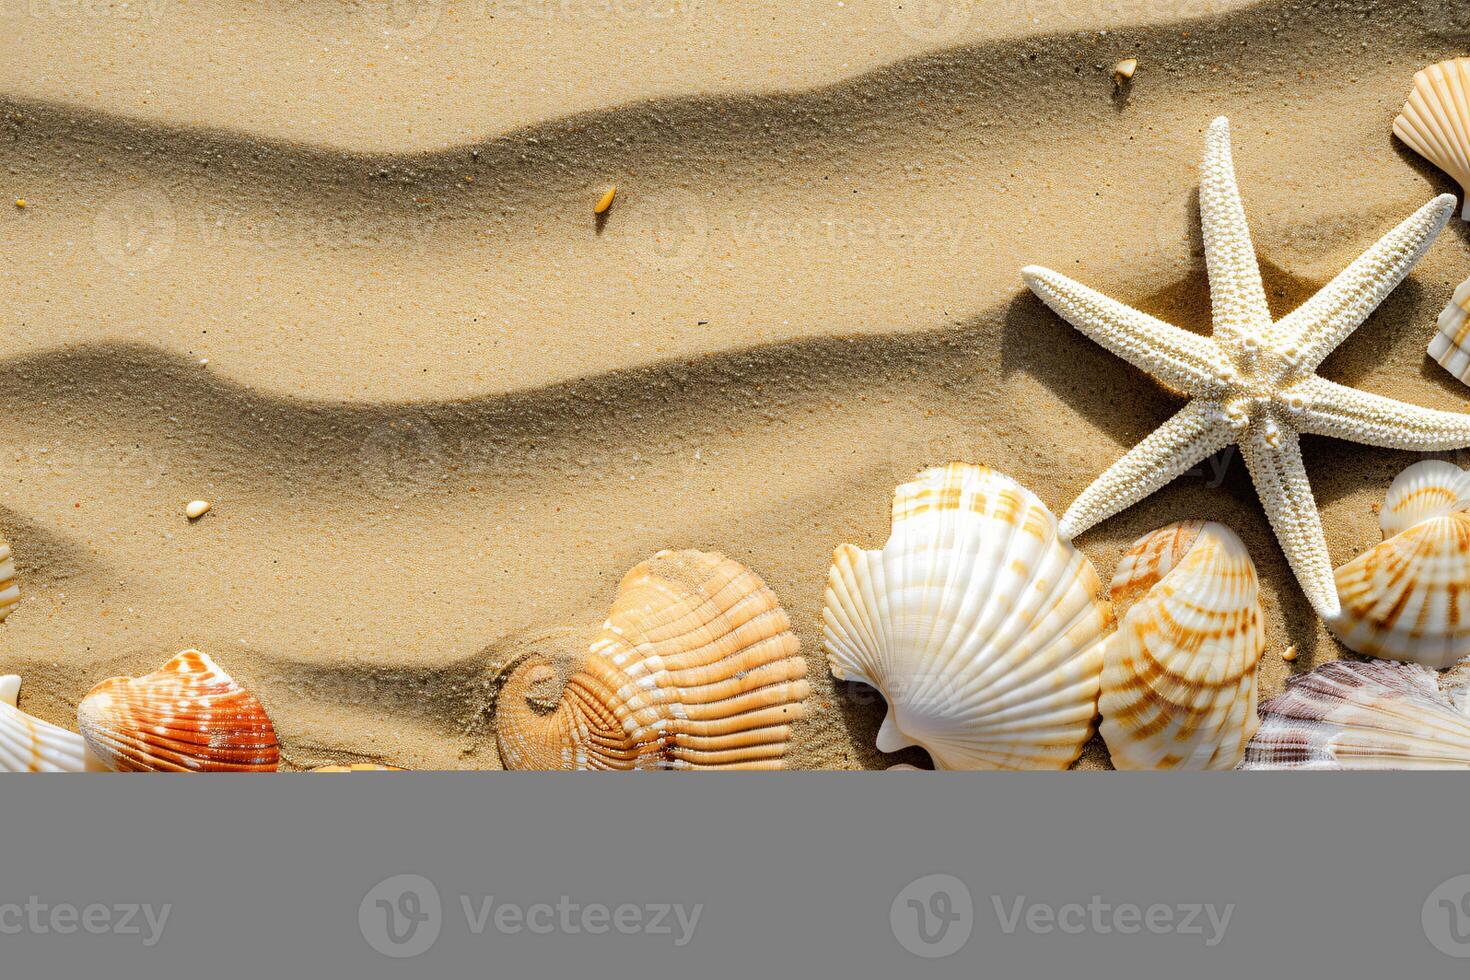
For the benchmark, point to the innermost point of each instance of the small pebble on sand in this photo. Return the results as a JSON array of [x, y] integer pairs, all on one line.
[[196, 509], [1123, 70], [1289, 654], [605, 201]]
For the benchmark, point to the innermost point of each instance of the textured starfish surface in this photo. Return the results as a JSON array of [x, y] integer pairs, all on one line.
[[1253, 382]]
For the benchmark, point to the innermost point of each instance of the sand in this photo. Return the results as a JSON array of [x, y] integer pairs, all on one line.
[[334, 269]]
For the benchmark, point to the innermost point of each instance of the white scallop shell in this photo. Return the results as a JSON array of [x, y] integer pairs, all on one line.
[[1408, 597], [1435, 122], [1451, 344], [31, 745], [981, 627], [9, 591], [1350, 714], [1179, 675]]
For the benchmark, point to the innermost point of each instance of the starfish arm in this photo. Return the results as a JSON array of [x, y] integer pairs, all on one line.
[[1198, 430], [1176, 357], [1237, 298], [1373, 420], [1325, 320], [1281, 483]]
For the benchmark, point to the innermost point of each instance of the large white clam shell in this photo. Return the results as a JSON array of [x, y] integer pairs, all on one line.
[[1179, 675], [1350, 714], [1408, 597], [1435, 121], [1451, 343], [31, 745], [981, 627]]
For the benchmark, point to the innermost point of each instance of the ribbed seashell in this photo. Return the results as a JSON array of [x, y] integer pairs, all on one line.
[[188, 716], [980, 626], [1408, 597], [1350, 714], [31, 745], [1451, 343], [1435, 122], [1179, 675], [9, 590], [696, 667]]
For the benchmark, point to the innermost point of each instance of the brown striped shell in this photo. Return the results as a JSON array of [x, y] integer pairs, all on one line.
[[1179, 675], [1408, 597], [696, 667], [1350, 714], [9, 590], [188, 716]]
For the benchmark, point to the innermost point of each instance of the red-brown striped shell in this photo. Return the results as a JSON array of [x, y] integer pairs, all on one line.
[[188, 716]]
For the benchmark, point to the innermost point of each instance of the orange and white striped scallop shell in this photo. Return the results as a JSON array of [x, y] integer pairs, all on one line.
[[696, 667], [1408, 597], [1179, 675], [978, 624], [188, 716]]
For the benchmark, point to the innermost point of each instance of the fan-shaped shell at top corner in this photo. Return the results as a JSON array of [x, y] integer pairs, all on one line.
[[187, 716], [982, 628], [1179, 676], [1351, 714], [1435, 121], [696, 667], [1408, 597]]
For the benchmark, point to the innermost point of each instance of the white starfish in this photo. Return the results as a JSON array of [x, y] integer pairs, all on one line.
[[1254, 382]]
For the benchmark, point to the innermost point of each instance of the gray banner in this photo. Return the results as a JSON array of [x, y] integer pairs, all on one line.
[[879, 874]]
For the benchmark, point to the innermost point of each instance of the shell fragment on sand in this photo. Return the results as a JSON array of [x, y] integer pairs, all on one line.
[[605, 201], [1179, 675], [196, 509], [1350, 714], [1435, 121], [979, 625], [9, 588], [1408, 597], [31, 745], [1124, 70], [696, 667], [1451, 344], [188, 716]]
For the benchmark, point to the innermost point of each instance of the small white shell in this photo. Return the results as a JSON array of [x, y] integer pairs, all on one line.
[[980, 626], [9, 590], [1408, 597], [1451, 344], [1435, 122], [31, 745], [1179, 675], [1350, 714]]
